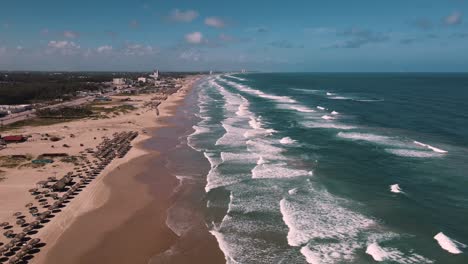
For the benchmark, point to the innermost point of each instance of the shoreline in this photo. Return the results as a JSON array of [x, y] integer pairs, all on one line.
[[138, 194]]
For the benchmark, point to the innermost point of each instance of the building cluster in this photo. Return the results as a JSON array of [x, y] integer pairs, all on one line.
[[12, 109], [151, 79]]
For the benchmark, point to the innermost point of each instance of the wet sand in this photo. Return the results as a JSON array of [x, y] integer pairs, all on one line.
[[133, 226]]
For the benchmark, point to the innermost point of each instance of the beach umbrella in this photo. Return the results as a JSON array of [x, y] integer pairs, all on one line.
[[34, 224], [4, 224], [13, 260], [34, 241], [20, 221], [17, 214], [29, 205], [33, 190], [8, 233], [27, 229]]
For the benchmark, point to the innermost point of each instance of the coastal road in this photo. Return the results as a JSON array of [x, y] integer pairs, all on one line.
[[32, 113]]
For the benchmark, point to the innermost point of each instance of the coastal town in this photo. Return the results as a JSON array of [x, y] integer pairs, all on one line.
[[53, 155]]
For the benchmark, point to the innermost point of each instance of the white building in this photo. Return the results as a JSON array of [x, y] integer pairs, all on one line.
[[155, 75], [118, 81], [142, 79]]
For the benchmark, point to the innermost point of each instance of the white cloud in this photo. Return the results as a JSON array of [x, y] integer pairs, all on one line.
[[70, 34], [19, 48], [104, 49], [64, 47], [194, 38], [3, 50], [139, 50], [454, 19], [190, 55], [214, 22], [62, 44], [183, 16]]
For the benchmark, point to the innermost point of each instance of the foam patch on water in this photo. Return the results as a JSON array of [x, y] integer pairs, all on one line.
[[242, 157], [377, 253], [327, 117], [449, 244], [384, 140], [250, 90], [321, 108], [311, 91], [224, 246], [237, 78], [395, 188], [327, 124], [302, 109], [334, 113], [276, 170], [430, 147], [410, 153], [287, 141]]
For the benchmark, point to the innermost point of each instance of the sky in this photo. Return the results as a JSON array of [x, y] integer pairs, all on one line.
[[198, 35]]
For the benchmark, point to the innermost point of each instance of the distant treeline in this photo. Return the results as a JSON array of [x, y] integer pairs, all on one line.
[[32, 87], [26, 88]]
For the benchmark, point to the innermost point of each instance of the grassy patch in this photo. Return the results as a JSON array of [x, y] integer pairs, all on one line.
[[72, 159], [13, 161], [34, 122]]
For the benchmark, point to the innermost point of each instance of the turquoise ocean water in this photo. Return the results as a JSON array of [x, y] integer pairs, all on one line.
[[336, 168]]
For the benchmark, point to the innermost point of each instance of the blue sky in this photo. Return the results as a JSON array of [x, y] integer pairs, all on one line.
[[308, 35]]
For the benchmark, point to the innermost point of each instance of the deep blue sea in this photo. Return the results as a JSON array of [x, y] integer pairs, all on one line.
[[336, 168]]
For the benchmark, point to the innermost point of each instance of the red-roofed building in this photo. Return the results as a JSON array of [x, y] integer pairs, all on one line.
[[14, 139]]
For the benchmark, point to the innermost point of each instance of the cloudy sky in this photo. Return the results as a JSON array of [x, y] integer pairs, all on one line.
[[296, 35]]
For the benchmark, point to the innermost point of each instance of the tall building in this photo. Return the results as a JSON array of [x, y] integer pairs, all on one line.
[[118, 81], [155, 75]]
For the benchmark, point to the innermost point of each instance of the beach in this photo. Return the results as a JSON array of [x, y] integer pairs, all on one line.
[[125, 208], [131, 225]]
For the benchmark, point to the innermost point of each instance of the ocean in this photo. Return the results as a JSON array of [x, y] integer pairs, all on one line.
[[335, 168]]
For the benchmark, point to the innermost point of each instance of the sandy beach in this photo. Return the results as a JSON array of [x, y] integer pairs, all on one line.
[[121, 216]]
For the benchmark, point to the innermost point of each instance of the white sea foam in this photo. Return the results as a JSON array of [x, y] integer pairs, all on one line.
[[395, 188], [243, 109], [237, 78], [330, 125], [287, 141], [276, 170], [302, 109], [242, 157], [449, 244], [320, 216], [329, 94], [234, 136], [367, 137], [293, 191], [224, 246], [310, 256], [430, 147], [200, 130], [340, 98], [312, 91], [321, 107], [334, 113], [327, 117], [250, 90], [377, 253], [411, 153]]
